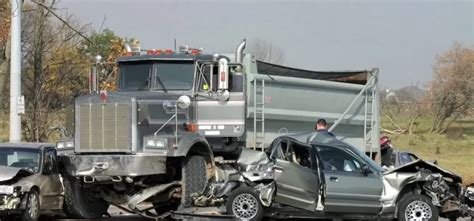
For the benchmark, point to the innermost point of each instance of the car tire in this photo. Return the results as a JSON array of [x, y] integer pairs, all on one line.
[[77, 202], [244, 204], [32, 209], [417, 207], [194, 178]]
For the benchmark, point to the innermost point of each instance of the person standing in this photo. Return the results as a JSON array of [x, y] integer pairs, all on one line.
[[322, 127], [386, 151]]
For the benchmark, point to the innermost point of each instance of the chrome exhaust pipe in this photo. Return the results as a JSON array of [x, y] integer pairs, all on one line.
[[239, 52], [88, 179], [128, 48], [116, 179]]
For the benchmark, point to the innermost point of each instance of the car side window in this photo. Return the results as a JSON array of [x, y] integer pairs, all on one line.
[[50, 158], [338, 160], [301, 156], [281, 151], [413, 157], [405, 158]]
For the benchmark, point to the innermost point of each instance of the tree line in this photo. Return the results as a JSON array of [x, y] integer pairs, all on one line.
[[56, 56], [58, 49]]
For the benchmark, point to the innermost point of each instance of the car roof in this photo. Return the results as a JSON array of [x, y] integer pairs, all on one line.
[[27, 145]]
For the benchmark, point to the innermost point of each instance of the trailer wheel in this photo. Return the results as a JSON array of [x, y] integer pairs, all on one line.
[[32, 210], [194, 178], [417, 207], [78, 203], [244, 204]]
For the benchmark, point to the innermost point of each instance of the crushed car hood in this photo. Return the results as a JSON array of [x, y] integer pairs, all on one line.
[[8, 173], [417, 165]]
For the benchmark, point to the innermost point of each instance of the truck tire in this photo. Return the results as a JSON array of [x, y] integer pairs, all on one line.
[[417, 207], [194, 178], [77, 202], [32, 209], [244, 204]]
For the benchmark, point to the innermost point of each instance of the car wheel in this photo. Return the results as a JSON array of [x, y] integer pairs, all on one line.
[[32, 209], [194, 178], [417, 207], [244, 204]]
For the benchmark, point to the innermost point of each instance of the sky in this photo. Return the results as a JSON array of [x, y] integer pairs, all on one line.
[[400, 37]]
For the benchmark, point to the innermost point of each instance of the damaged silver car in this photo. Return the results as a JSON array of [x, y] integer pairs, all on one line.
[[30, 184], [318, 176]]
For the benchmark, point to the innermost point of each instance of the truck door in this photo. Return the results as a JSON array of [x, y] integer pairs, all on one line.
[[51, 189], [348, 189], [297, 183], [217, 118]]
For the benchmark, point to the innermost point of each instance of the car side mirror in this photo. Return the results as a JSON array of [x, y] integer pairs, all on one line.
[[366, 170]]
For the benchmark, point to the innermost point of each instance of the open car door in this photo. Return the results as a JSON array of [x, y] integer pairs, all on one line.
[[297, 182]]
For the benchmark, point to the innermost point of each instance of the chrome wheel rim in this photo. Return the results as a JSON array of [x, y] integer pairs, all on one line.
[[418, 211], [33, 206], [245, 206]]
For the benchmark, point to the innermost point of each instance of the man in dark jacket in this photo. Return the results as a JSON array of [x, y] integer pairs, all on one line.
[[386, 151], [322, 126]]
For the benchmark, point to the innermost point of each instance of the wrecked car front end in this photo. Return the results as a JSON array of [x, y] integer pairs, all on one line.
[[443, 187], [10, 199], [12, 186]]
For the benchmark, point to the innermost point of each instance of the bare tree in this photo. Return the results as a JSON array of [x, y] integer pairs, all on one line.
[[451, 92], [4, 49], [266, 51], [54, 71], [404, 110]]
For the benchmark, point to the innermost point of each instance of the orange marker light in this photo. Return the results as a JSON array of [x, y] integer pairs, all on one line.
[[191, 127]]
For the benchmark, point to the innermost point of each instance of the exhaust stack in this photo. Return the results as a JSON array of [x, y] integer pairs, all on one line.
[[239, 52]]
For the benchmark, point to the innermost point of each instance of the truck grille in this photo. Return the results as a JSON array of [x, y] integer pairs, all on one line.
[[103, 127]]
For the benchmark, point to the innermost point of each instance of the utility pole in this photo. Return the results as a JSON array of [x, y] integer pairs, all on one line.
[[15, 73]]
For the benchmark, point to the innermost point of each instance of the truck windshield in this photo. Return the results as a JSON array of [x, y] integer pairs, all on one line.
[[28, 159], [163, 75], [173, 76]]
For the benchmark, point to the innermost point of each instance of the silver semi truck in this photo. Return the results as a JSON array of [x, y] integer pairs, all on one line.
[[155, 141]]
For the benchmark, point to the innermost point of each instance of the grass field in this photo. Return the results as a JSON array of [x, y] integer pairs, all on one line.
[[453, 150]]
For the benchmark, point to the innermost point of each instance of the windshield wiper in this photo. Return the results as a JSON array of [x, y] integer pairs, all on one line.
[[161, 84]]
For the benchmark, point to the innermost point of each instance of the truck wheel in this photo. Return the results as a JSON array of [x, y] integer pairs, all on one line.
[[194, 178], [79, 204], [32, 210], [417, 207], [244, 204]]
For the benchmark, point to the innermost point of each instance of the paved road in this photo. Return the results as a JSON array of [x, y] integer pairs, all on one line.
[[120, 215]]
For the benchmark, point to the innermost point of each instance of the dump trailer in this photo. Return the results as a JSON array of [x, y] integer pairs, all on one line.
[[155, 140]]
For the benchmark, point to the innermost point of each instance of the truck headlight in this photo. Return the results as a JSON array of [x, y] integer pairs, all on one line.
[[65, 144], [155, 143]]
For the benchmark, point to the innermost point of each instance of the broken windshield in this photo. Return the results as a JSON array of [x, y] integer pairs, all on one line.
[[162, 75]]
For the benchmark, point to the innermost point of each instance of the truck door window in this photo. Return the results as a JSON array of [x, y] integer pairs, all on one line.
[[204, 77], [338, 160]]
